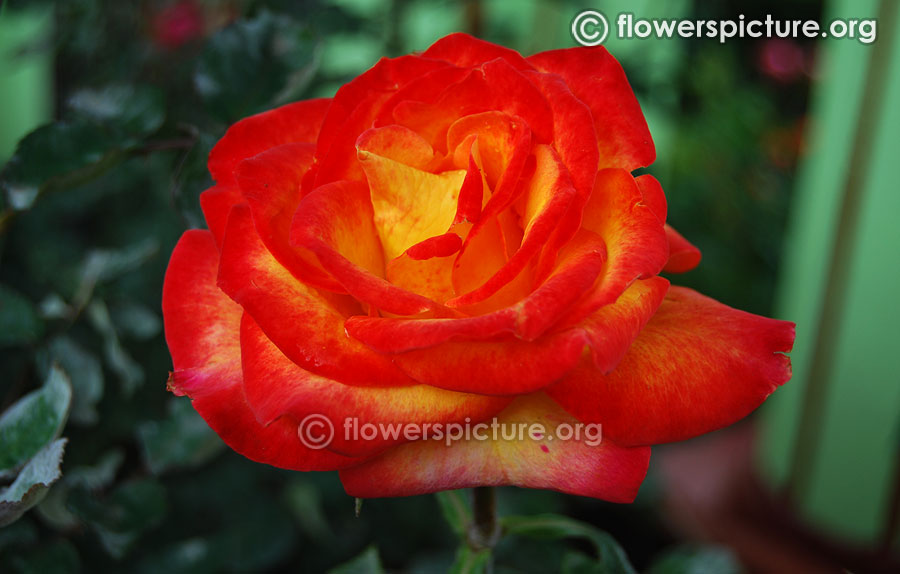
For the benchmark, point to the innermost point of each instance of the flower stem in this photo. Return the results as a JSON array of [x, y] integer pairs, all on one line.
[[485, 531]]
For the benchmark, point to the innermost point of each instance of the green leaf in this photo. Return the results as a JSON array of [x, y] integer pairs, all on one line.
[[102, 265], [579, 563], [248, 535], [57, 557], [192, 556], [54, 508], [134, 110], [455, 510], [22, 533], [255, 64], [19, 321], [705, 560], [86, 376], [108, 264], [366, 563], [553, 527], [184, 440], [129, 371], [305, 502], [59, 156], [32, 483], [34, 420], [469, 561], [120, 519], [135, 320], [263, 535]]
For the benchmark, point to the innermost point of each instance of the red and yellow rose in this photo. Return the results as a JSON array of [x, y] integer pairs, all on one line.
[[456, 236]]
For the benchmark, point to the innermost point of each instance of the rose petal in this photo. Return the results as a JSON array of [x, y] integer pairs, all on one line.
[[573, 135], [335, 222], [397, 335], [197, 313], [573, 132], [354, 109], [270, 183], [634, 236], [306, 324], [399, 144], [547, 197], [482, 257], [438, 246], [275, 386], [597, 79], [605, 471], [653, 195], [505, 367], [582, 260], [466, 51], [425, 267], [498, 136], [484, 89], [612, 329], [471, 194], [410, 205], [683, 256], [216, 203], [298, 122], [425, 88], [501, 146], [202, 330], [696, 367]]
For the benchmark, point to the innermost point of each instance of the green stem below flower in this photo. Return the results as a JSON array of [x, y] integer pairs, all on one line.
[[485, 530]]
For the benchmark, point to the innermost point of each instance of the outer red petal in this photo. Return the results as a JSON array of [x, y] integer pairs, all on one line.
[[291, 123], [612, 329], [683, 256], [597, 79], [653, 194], [509, 367], [484, 89], [216, 203], [202, 330], [575, 140], [393, 335], [696, 367], [605, 471], [270, 183], [306, 324], [634, 236], [353, 111], [466, 52], [276, 386]]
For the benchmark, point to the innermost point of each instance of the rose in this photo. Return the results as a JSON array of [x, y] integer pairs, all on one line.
[[456, 237]]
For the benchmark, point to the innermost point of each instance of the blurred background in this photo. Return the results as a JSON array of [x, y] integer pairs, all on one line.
[[778, 160]]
